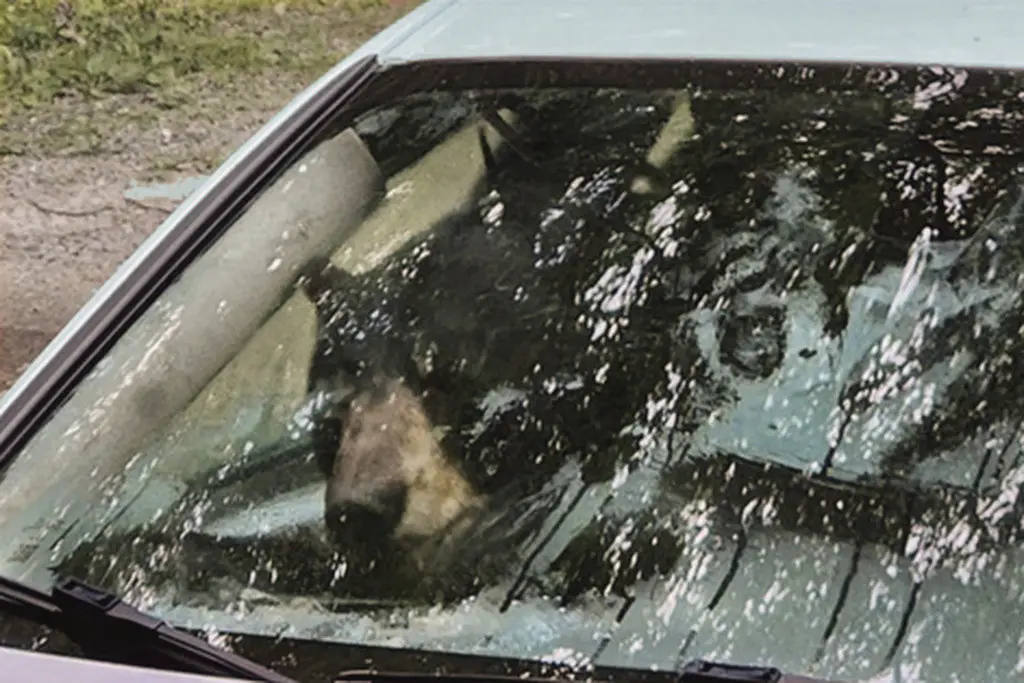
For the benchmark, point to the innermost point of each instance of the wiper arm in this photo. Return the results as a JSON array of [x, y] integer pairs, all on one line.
[[697, 671], [107, 628]]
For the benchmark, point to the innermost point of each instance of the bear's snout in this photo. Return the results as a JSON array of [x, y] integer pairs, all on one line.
[[391, 481], [358, 521]]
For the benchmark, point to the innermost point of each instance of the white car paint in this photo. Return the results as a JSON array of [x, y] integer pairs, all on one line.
[[35, 667]]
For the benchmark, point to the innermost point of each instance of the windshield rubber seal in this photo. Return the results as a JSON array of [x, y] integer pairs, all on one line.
[[402, 79]]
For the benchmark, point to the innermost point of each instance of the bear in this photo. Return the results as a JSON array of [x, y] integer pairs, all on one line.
[[403, 387], [425, 484], [476, 363]]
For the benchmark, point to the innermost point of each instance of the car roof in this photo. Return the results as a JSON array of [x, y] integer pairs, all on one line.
[[976, 33]]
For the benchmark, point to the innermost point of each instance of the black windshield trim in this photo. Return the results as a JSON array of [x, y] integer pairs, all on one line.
[[400, 80], [304, 659], [307, 659]]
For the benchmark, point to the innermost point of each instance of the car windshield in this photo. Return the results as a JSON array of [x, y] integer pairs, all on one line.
[[614, 376]]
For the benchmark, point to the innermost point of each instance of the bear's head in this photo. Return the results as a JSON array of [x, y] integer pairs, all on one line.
[[392, 490]]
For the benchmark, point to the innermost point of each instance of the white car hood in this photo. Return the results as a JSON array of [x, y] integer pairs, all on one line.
[[36, 667]]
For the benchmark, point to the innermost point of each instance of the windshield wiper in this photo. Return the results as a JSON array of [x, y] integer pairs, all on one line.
[[109, 629], [697, 671]]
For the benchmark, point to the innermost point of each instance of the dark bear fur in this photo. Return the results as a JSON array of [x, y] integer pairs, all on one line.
[[416, 344]]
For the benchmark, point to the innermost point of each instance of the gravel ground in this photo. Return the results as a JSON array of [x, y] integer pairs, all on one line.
[[64, 223]]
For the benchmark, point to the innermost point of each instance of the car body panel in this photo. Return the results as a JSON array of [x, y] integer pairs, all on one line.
[[981, 33], [35, 667]]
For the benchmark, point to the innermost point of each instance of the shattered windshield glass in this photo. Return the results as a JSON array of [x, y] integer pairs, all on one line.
[[598, 376]]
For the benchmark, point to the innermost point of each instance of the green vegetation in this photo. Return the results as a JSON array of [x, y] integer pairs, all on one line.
[[59, 49]]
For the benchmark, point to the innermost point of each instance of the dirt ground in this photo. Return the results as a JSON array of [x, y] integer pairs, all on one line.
[[64, 223]]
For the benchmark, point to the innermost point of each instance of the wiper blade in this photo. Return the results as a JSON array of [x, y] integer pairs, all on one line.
[[107, 628], [697, 671]]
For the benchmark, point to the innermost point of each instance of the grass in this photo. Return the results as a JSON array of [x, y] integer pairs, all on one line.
[[52, 50]]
